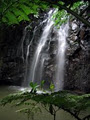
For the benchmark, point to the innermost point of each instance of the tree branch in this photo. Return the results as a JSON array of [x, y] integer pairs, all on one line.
[[73, 114], [87, 117], [76, 15], [69, 11]]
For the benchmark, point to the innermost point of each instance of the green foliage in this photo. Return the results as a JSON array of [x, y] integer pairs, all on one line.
[[78, 4], [30, 111], [65, 100], [34, 87], [62, 16], [61, 3], [52, 87], [42, 84], [15, 11]]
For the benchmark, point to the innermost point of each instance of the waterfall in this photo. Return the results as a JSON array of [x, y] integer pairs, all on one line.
[[40, 46], [36, 68], [60, 58], [25, 83]]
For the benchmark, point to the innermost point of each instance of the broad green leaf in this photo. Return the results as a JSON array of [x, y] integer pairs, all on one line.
[[31, 84]]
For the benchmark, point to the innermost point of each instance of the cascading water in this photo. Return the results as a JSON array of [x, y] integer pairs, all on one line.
[[41, 53], [27, 55], [41, 44], [60, 58]]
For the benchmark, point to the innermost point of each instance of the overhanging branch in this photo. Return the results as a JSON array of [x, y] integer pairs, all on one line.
[[69, 11]]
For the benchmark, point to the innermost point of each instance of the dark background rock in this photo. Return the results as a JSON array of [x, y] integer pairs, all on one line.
[[77, 75], [11, 65]]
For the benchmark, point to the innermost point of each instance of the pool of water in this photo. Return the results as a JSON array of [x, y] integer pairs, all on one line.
[[9, 112]]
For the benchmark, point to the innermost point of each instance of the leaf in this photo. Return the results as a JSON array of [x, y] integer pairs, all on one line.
[[25, 8], [52, 87], [60, 2], [31, 84], [13, 13], [4, 19], [77, 4], [42, 82], [20, 14], [35, 85], [11, 18], [44, 5]]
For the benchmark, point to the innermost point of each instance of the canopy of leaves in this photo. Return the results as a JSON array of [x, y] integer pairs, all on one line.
[[14, 11]]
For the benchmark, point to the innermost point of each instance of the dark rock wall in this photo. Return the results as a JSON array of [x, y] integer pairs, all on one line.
[[77, 75], [11, 65]]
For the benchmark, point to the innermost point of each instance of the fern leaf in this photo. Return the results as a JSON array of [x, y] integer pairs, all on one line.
[[26, 9], [4, 20], [11, 18], [20, 14]]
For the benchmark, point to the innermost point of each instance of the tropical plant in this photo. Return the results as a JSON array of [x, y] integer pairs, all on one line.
[[42, 84], [34, 87], [51, 87]]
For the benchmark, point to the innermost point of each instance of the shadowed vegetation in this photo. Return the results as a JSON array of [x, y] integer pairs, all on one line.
[[71, 103]]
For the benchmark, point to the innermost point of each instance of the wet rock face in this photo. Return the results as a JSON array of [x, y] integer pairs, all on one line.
[[77, 75], [11, 65]]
